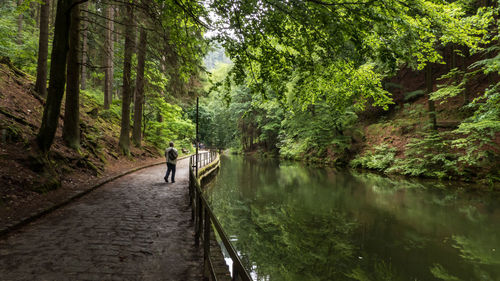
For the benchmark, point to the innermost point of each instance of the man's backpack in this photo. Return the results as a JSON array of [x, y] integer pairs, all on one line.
[[172, 155]]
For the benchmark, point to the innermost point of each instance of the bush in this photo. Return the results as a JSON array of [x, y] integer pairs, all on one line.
[[430, 156], [381, 158]]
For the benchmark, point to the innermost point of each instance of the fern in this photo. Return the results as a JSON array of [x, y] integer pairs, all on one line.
[[430, 157], [381, 158]]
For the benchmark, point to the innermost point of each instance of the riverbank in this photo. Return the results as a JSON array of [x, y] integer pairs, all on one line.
[[452, 184]]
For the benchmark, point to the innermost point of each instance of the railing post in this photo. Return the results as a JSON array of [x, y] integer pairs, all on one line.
[[235, 273], [197, 134], [192, 196], [206, 243], [199, 222], [197, 229]]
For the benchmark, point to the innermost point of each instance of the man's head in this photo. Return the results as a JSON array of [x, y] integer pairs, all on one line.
[[171, 144]]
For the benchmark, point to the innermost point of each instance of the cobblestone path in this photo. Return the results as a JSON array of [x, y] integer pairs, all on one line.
[[135, 228]]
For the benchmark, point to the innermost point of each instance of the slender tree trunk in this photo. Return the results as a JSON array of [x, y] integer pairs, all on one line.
[[57, 81], [108, 57], [464, 69], [159, 117], [37, 15], [124, 142], [53, 12], [453, 57], [429, 82], [144, 120], [71, 129], [139, 88], [83, 84], [20, 24], [43, 50]]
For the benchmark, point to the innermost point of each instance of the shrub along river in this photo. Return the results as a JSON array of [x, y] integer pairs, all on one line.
[[289, 221]]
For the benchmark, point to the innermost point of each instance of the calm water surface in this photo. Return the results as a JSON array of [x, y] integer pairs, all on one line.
[[293, 222]]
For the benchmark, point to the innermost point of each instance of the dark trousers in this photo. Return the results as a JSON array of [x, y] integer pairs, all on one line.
[[170, 167]]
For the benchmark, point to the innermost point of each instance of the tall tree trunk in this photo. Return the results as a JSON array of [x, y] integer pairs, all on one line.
[[43, 50], [139, 88], [429, 82], [71, 129], [20, 23], [83, 84], [108, 58], [57, 81], [124, 142]]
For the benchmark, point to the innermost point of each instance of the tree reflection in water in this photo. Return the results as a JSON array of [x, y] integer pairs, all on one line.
[[294, 222]]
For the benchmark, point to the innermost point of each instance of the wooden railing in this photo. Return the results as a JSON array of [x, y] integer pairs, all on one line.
[[205, 220]]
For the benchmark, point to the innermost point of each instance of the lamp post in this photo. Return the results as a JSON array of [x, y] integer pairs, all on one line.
[[197, 139]]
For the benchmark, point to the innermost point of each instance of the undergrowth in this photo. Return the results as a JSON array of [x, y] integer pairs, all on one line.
[[380, 158], [429, 156]]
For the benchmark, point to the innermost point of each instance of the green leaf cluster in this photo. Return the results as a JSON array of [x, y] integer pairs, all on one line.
[[429, 156], [21, 48], [380, 158], [173, 125]]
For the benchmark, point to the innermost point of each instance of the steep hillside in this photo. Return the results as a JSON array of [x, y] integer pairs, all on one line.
[[399, 141], [27, 178]]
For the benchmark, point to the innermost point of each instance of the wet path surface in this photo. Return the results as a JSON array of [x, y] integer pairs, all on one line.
[[135, 228]]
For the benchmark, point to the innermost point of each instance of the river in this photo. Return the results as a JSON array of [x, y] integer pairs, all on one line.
[[290, 221]]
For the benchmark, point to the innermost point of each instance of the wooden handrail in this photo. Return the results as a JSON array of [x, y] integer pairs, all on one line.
[[204, 218]]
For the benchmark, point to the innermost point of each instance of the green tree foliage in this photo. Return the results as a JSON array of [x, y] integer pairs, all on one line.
[[381, 158], [217, 116], [319, 131], [174, 127], [22, 53], [327, 42]]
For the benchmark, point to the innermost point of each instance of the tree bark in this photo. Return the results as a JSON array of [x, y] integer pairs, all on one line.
[[124, 141], [71, 128], [430, 85], [57, 81], [43, 50], [108, 58], [139, 88], [83, 83]]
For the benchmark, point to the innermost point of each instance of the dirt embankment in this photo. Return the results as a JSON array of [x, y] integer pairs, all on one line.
[[29, 181], [408, 118]]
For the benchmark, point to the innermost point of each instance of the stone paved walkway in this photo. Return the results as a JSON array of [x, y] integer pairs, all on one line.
[[135, 228]]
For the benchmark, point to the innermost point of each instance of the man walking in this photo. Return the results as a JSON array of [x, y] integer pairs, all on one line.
[[171, 155]]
